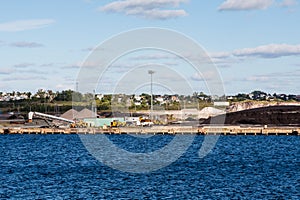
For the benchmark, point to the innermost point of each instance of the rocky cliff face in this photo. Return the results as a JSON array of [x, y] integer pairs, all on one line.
[[238, 106]]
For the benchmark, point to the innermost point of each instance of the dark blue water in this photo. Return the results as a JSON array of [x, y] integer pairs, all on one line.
[[241, 167]]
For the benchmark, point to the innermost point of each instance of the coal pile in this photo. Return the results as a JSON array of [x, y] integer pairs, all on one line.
[[272, 115]]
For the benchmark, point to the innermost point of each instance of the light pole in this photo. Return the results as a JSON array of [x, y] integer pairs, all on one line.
[[151, 72]]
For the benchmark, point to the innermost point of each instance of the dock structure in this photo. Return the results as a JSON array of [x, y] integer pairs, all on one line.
[[164, 130]]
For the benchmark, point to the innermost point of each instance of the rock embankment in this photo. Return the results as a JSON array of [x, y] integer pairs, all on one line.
[[239, 106], [283, 115]]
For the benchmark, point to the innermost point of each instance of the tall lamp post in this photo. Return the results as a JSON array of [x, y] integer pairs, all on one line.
[[151, 72]]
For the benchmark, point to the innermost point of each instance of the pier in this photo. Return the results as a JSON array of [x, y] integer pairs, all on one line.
[[164, 130]]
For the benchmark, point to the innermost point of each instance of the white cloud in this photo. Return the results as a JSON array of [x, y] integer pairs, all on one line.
[[24, 78], [154, 9], [245, 4], [160, 14], [288, 3], [80, 65], [26, 44], [219, 55], [269, 51], [88, 49], [154, 56], [48, 64], [207, 75], [147, 5], [31, 71], [23, 65], [72, 66], [223, 59], [260, 78], [227, 59], [64, 86], [22, 25], [5, 71], [276, 81]]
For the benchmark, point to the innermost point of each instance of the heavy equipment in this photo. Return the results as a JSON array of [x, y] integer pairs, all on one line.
[[49, 119]]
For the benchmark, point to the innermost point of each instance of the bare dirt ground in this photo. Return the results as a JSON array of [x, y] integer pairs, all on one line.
[[272, 115]]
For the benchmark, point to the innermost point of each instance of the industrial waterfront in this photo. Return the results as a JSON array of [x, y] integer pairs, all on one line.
[[164, 130], [272, 120]]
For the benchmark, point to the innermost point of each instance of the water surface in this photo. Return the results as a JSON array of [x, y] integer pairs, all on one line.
[[239, 167]]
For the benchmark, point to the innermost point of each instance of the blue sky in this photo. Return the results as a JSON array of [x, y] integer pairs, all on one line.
[[255, 44]]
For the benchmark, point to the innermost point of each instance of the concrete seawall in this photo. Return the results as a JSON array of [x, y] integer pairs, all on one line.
[[209, 130]]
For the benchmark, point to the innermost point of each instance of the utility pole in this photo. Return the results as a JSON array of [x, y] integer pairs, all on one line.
[[76, 86], [151, 72], [94, 105]]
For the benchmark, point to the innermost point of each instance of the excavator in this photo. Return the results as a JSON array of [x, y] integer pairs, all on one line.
[[117, 123], [145, 122], [79, 124]]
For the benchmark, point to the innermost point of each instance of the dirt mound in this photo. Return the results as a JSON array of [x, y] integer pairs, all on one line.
[[239, 106], [86, 113], [70, 114], [210, 111], [272, 115]]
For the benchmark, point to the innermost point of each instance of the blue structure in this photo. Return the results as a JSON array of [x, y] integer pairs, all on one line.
[[100, 122]]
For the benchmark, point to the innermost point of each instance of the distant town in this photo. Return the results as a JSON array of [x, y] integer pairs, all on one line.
[[60, 101], [66, 95]]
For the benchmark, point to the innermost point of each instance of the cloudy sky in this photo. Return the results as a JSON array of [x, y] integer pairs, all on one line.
[[255, 44]]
